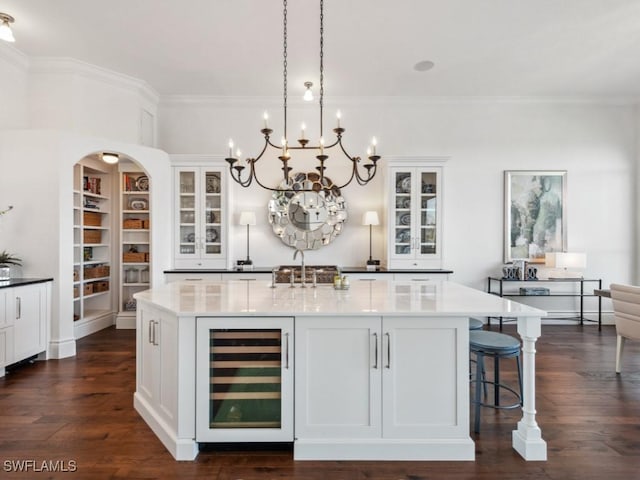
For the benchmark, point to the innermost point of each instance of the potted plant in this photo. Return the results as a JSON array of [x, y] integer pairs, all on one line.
[[7, 259]]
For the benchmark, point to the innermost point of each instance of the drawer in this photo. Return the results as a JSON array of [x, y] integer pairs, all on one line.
[[192, 277]]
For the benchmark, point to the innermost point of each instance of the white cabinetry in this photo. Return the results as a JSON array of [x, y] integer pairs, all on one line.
[[244, 379], [24, 318], [366, 381], [200, 218], [157, 362], [414, 217]]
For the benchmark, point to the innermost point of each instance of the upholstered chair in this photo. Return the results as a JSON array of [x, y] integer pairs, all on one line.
[[626, 309]]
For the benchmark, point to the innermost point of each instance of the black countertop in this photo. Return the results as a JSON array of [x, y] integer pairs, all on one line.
[[18, 282], [342, 269]]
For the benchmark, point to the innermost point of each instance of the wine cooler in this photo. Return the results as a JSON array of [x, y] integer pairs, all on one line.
[[244, 378]]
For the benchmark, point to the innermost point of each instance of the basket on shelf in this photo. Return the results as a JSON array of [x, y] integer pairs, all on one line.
[[76, 292], [135, 257], [97, 272], [132, 223], [101, 286], [92, 236], [92, 219], [88, 288]]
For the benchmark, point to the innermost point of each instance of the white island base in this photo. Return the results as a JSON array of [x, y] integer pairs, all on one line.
[[381, 370]]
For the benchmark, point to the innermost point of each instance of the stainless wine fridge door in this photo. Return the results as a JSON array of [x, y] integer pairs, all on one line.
[[244, 379]]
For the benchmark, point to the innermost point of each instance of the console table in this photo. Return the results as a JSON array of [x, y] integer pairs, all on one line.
[[496, 286]]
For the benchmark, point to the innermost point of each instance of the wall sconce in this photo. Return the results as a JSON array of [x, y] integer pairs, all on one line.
[[5, 29], [371, 218], [110, 158], [247, 218]]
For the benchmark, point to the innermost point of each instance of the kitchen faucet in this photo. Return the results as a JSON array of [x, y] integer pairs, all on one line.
[[295, 254]]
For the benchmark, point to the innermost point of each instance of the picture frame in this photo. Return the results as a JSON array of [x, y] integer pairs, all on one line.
[[535, 214]]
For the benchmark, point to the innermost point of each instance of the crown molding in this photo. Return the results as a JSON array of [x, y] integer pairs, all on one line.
[[14, 56], [378, 101], [71, 66]]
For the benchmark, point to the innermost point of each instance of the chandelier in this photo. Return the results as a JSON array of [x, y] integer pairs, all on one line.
[[362, 173]]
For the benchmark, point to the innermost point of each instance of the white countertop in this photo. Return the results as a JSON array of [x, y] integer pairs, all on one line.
[[365, 297]]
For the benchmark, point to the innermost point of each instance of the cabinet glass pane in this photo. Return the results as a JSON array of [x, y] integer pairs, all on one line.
[[245, 378], [187, 182], [402, 213], [428, 217]]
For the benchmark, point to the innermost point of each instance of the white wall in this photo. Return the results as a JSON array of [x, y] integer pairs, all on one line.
[[66, 94], [13, 87], [37, 180], [595, 142]]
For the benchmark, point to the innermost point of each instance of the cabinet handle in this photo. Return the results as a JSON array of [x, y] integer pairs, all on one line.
[[388, 349], [18, 308], [150, 331], [155, 337], [375, 339], [286, 351]]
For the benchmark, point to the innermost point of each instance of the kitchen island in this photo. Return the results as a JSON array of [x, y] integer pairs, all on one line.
[[376, 372]]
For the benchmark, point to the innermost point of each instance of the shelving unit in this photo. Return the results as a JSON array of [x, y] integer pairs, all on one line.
[[557, 288], [135, 246], [92, 224]]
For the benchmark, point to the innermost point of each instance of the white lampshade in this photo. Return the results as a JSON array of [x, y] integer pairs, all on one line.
[[247, 218], [5, 30], [370, 218], [571, 260]]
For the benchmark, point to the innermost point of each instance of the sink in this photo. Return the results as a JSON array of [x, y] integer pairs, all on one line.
[[324, 273]]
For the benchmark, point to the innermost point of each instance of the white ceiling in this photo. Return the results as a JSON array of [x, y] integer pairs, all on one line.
[[566, 48]]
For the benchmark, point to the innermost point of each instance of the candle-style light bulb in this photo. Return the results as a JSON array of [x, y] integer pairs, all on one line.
[[339, 115], [303, 128], [230, 148], [284, 146], [238, 153], [369, 152], [321, 145], [374, 142], [265, 116]]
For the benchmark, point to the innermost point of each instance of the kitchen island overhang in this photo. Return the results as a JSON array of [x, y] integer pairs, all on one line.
[[398, 351]]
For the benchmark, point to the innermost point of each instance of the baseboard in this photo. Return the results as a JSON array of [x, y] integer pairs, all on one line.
[[126, 322], [62, 348]]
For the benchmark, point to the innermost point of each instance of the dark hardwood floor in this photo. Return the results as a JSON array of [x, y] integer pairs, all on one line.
[[79, 412]]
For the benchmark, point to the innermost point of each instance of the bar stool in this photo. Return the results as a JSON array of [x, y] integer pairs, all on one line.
[[475, 324], [484, 343]]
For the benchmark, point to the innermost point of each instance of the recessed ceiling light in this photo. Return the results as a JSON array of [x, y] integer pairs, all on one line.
[[423, 66]]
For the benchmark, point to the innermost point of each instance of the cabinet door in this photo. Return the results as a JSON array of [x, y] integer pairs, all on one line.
[[425, 377], [200, 223], [26, 305], [402, 233], [244, 379], [186, 231], [414, 221], [148, 371], [211, 215], [338, 363]]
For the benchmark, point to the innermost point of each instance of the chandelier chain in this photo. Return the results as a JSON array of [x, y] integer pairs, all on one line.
[[284, 63], [321, 64]]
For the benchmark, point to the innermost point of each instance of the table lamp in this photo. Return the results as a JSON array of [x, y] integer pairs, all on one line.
[[247, 218], [567, 264], [371, 218]]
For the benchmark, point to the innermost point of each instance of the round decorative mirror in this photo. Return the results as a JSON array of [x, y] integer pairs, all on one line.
[[308, 215]]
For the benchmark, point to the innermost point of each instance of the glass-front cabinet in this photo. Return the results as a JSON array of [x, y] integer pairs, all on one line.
[[200, 235], [244, 379], [414, 217]]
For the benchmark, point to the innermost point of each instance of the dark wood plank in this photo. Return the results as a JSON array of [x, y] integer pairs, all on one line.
[[81, 409]]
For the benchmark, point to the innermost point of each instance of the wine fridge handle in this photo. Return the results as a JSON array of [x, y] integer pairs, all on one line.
[[286, 352]]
